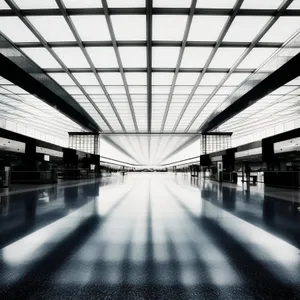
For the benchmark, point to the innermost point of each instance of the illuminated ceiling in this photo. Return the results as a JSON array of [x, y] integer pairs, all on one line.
[[150, 66]]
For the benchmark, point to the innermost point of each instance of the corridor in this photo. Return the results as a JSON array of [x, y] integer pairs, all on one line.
[[150, 236]]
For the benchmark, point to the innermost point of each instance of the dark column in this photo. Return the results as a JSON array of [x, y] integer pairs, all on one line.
[[268, 153], [229, 160], [70, 157], [30, 155]]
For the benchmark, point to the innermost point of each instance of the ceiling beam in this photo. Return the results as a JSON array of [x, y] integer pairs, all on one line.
[[144, 70], [143, 11], [149, 6], [224, 31], [89, 60], [260, 35], [281, 76], [184, 40], [19, 70], [117, 52], [145, 44], [28, 24]]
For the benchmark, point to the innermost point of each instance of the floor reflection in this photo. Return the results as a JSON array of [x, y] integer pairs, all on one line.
[[152, 236]]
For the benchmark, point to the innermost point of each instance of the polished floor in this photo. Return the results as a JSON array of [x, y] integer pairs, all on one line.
[[150, 236]]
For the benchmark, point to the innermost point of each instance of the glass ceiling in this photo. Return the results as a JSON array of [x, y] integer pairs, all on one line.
[[25, 110], [277, 107], [155, 72]]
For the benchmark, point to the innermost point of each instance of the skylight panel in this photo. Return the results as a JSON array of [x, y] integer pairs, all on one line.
[[258, 4], [169, 28], [195, 57], [3, 5], [212, 78], [172, 3], [86, 78], [127, 3], [204, 90], [81, 99], [15, 89], [256, 57], [116, 89], [283, 90], [133, 57], [103, 57], [41, 57], [86, 26], [73, 90], [57, 32], [217, 99], [93, 89], [72, 57], [161, 89], [295, 81], [199, 32], [62, 78], [161, 78], [226, 57], [134, 78], [187, 78], [241, 31], [165, 57], [236, 78], [137, 89], [129, 27], [33, 4], [226, 90], [282, 30], [82, 3], [4, 81], [16, 30], [139, 99], [216, 4], [111, 78], [295, 5], [183, 89]]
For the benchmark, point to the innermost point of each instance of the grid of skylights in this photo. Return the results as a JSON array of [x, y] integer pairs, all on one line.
[[116, 49], [28, 115], [278, 107]]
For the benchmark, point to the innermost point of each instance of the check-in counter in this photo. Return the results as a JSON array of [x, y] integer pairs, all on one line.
[[71, 174], [230, 177], [33, 177], [288, 179]]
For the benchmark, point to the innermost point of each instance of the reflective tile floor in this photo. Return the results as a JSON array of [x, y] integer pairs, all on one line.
[[150, 236]]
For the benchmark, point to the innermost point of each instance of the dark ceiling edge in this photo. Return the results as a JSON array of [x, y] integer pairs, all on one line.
[[149, 17], [143, 11], [17, 75], [278, 78]]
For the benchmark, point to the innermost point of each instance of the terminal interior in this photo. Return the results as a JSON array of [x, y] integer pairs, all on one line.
[[149, 149]]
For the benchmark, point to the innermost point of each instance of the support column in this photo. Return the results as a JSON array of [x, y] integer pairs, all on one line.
[[30, 156]]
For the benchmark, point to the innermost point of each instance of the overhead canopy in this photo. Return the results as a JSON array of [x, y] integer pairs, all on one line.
[[149, 65], [154, 66]]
